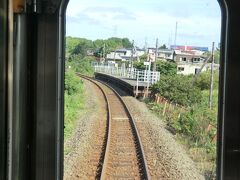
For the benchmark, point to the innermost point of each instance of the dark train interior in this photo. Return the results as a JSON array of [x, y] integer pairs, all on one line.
[[32, 34]]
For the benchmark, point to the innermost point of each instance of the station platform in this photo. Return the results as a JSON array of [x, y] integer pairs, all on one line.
[[128, 85]]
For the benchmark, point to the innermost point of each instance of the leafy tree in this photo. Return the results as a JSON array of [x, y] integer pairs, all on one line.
[[139, 65], [72, 83], [99, 52], [178, 88], [143, 58], [98, 43], [163, 46], [166, 68], [82, 65], [216, 55], [126, 43], [202, 80], [79, 49], [79, 46]]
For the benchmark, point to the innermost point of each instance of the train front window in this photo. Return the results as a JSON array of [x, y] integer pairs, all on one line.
[[141, 74]]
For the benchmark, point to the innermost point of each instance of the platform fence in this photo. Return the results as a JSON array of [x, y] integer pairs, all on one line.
[[150, 77]]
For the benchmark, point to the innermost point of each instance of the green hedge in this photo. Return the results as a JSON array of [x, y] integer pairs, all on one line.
[[74, 101], [178, 89], [194, 123], [81, 65]]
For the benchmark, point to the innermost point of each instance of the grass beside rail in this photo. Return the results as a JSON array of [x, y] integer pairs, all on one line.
[[195, 127], [74, 101]]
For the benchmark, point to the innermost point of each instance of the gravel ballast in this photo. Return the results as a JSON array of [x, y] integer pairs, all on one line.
[[83, 148], [166, 158]]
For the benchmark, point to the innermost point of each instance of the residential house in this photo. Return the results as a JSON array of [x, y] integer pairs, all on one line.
[[191, 63], [187, 57], [165, 54], [90, 52], [125, 54], [194, 68]]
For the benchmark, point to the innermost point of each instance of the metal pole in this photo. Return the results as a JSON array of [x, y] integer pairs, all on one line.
[[124, 69], [132, 55], [114, 57], [156, 54], [211, 79], [175, 40], [103, 54], [148, 79], [136, 94]]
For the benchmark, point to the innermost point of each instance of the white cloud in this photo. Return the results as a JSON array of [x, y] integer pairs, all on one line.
[[109, 18]]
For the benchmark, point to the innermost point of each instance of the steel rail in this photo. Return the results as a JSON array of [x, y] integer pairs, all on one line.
[[108, 127], [140, 151]]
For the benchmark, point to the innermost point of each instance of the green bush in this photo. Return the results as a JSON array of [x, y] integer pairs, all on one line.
[[191, 123], [73, 84], [202, 80], [139, 65], [178, 89], [82, 65], [194, 123], [73, 101], [80, 46], [166, 68]]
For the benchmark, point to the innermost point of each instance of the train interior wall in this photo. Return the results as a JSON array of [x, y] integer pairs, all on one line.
[[31, 91]]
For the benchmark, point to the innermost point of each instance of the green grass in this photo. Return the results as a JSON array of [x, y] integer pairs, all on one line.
[[73, 105], [191, 127], [74, 102]]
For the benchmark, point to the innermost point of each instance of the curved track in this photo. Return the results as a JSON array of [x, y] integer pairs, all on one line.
[[123, 156]]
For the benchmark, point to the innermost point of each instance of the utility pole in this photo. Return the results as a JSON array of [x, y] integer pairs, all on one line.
[[176, 30], [145, 46], [211, 78], [148, 73], [114, 34], [132, 55], [103, 53], [156, 54], [169, 41], [114, 57]]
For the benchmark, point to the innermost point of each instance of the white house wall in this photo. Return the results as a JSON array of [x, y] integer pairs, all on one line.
[[190, 68]]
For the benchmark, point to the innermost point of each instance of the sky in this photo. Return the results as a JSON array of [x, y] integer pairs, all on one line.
[[199, 21]]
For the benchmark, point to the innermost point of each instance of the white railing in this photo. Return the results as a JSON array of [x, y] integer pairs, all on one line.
[[150, 77]]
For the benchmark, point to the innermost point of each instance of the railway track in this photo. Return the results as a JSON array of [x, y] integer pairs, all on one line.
[[123, 154]]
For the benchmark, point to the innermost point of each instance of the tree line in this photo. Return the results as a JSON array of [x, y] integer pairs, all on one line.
[[100, 47]]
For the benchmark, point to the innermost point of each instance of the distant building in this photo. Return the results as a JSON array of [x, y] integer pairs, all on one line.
[[191, 63], [125, 54], [114, 56], [140, 52], [165, 54], [90, 52], [186, 57], [151, 52], [194, 68]]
